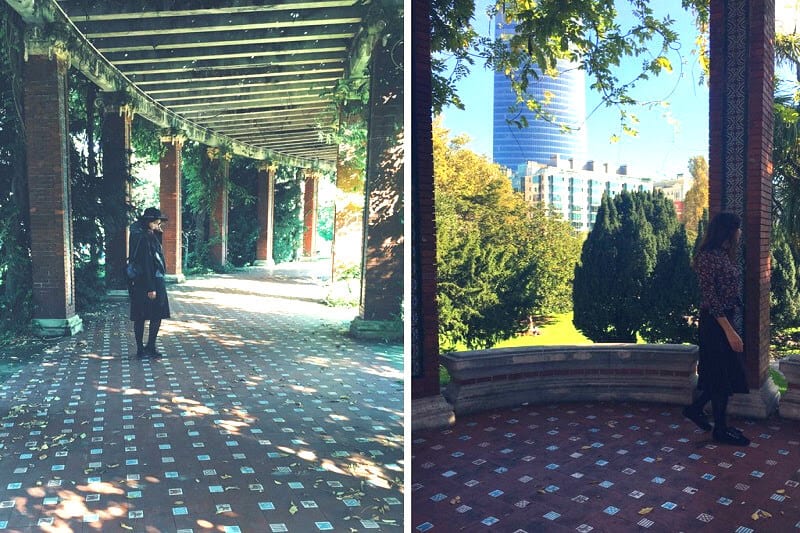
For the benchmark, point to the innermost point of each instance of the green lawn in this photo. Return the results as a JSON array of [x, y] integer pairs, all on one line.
[[555, 330]]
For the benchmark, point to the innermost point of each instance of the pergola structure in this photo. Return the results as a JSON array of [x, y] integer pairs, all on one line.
[[264, 80], [742, 34]]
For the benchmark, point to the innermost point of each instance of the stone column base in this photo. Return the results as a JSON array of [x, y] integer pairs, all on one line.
[[384, 330], [431, 412], [268, 263], [759, 403], [57, 327], [174, 278]]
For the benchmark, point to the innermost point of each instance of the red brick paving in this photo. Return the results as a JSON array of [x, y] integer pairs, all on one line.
[[603, 467], [263, 416]]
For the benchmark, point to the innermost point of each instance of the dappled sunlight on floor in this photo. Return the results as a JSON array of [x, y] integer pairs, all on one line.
[[262, 415]]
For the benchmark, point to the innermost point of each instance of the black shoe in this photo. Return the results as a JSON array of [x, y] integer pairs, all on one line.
[[152, 353], [697, 416], [729, 436], [140, 353]]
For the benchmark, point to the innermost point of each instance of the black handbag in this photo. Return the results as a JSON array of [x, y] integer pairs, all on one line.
[[130, 269]]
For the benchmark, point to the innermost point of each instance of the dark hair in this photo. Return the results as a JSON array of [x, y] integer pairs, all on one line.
[[719, 232]]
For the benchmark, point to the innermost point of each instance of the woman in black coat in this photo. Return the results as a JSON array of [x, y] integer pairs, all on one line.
[[147, 289]]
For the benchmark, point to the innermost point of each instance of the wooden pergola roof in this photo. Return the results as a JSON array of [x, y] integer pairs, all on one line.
[[258, 76]]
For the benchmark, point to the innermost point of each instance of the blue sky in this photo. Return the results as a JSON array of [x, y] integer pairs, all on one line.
[[668, 136]]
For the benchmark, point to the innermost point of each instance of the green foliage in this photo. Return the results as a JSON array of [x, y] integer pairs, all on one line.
[[146, 140], [584, 31], [16, 297], [499, 259], [288, 226], [325, 219], [88, 191], [672, 296], [242, 213], [784, 295], [634, 276]]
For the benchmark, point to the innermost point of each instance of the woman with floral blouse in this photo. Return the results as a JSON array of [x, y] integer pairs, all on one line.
[[720, 369]]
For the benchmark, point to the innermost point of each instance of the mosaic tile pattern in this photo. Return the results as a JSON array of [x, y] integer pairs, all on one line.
[[603, 467], [262, 417]]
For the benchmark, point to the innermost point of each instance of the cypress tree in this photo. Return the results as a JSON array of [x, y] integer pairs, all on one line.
[[635, 273], [784, 298], [593, 287], [673, 295]]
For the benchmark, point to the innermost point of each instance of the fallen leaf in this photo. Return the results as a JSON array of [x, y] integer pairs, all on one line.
[[292, 509], [645, 510]]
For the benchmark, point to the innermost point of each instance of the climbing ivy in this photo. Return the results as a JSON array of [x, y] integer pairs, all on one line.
[[16, 297]]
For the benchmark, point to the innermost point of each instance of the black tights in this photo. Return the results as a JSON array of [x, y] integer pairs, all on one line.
[[719, 407], [138, 331]]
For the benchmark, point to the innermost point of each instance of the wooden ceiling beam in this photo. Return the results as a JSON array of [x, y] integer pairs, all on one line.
[[150, 56], [283, 71], [179, 41], [201, 64], [154, 9], [135, 26]]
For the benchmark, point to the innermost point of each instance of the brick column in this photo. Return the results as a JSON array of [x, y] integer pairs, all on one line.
[[310, 214], [47, 158], [218, 224], [170, 204], [428, 407], [265, 206], [382, 297], [348, 218], [116, 144], [740, 169]]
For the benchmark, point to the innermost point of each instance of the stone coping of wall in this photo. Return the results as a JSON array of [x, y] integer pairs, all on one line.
[[506, 377], [790, 400]]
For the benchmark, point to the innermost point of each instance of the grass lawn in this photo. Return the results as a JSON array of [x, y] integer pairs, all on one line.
[[555, 330]]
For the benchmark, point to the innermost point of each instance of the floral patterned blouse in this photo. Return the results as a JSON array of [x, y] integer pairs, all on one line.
[[719, 282]]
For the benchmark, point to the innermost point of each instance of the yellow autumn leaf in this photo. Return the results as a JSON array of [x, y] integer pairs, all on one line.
[[645, 510], [292, 509], [664, 63]]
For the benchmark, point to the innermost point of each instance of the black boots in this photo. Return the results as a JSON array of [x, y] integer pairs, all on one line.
[[730, 436], [697, 416], [150, 351]]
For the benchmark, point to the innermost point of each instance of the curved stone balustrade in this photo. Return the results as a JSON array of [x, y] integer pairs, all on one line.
[[790, 400], [507, 377]]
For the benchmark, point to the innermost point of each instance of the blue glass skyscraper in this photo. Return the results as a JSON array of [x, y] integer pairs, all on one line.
[[513, 146]]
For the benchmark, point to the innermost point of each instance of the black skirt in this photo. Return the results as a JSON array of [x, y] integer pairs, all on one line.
[[719, 369]]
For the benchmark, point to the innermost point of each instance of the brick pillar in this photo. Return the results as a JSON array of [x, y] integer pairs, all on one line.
[[740, 169], [348, 218], [310, 214], [47, 157], [381, 298], [116, 144], [170, 204], [265, 206], [428, 407], [218, 224]]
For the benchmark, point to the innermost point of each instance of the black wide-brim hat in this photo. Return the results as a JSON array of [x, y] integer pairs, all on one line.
[[152, 213]]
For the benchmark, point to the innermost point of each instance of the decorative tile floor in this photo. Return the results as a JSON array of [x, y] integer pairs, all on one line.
[[262, 417], [603, 467]]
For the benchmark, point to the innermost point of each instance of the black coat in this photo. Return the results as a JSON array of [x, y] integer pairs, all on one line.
[[148, 256]]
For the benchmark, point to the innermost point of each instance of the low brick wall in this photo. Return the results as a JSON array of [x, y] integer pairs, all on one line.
[[507, 377]]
